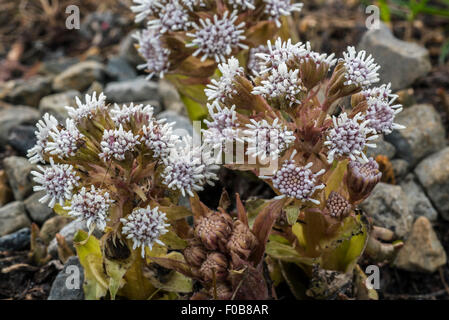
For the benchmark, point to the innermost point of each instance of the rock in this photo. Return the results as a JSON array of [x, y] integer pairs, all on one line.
[[119, 69], [418, 202], [382, 148], [13, 218], [68, 232], [170, 98], [39, 212], [5, 191], [433, 174], [26, 92], [423, 135], [18, 171], [22, 138], [135, 90], [96, 87], [400, 168], [401, 62], [52, 226], [68, 284], [127, 50], [17, 241], [422, 251], [387, 206], [79, 76], [56, 66], [55, 104], [182, 125], [11, 117]]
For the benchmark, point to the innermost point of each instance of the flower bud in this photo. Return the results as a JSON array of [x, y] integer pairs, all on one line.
[[195, 254], [214, 230], [214, 263], [337, 206], [242, 241], [223, 292], [361, 179]]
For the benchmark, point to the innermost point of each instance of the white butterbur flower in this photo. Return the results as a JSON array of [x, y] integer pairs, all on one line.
[[138, 113], [222, 128], [65, 141], [297, 181], [349, 137], [159, 137], [383, 93], [224, 87], [275, 9], [144, 226], [152, 50], [36, 153], [360, 70], [381, 114], [89, 108], [280, 52], [144, 8], [191, 4], [172, 17], [218, 37], [91, 206], [242, 4], [58, 182], [281, 83], [318, 58], [186, 170], [267, 140], [255, 63], [116, 143]]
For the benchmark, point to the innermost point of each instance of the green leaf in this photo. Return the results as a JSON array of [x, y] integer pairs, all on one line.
[[253, 207], [195, 110], [292, 213], [58, 209], [176, 283], [176, 212], [173, 241], [116, 271], [287, 253], [335, 179]]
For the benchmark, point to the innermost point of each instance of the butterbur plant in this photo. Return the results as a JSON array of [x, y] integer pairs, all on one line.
[[117, 169], [185, 40], [297, 134]]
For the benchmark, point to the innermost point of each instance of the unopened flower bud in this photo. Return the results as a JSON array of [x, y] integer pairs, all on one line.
[[215, 263], [195, 254], [223, 291], [242, 240], [361, 179], [337, 206], [214, 230]]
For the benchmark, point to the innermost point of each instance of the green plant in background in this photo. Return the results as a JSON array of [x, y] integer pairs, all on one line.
[[186, 39]]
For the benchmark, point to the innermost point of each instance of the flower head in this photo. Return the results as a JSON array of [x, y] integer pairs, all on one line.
[[138, 113], [307, 54], [36, 153], [158, 136], [65, 141], [267, 140], [224, 87], [349, 137], [58, 182], [151, 48], [255, 63], [383, 93], [296, 181], [222, 128], [144, 226], [91, 206], [281, 52], [362, 178], [242, 4], [172, 17], [275, 9], [381, 114], [88, 109], [218, 37], [360, 70], [192, 4], [144, 8], [337, 206], [116, 143], [214, 230]]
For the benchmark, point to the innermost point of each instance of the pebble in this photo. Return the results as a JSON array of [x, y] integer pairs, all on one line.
[[418, 202], [18, 170], [79, 76], [17, 241], [39, 212], [13, 217]]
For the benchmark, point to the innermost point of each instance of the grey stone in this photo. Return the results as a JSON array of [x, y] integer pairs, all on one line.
[[55, 104], [422, 251], [26, 92], [401, 62], [182, 125], [387, 206], [433, 174], [418, 202], [18, 170], [74, 291], [22, 138], [13, 218], [11, 117], [128, 51], [79, 76], [423, 135], [17, 241], [400, 168], [39, 212], [56, 66], [382, 148], [170, 98], [136, 90], [52, 226], [119, 69]]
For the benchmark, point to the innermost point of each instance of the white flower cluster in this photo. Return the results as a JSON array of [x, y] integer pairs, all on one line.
[[144, 9], [137, 113], [267, 140], [91, 206], [281, 52], [58, 182], [255, 63], [223, 128], [36, 153], [191, 4], [219, 90], [65, 141], [218, 37], [116, 143], [275, 9], [305, 54], [172, 17], [242, 4], [158, 136], [360, 70], [89, 108], [144, 226]]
